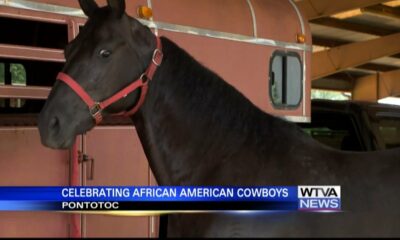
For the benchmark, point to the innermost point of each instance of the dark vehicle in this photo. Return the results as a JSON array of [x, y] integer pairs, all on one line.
[[355, 126]]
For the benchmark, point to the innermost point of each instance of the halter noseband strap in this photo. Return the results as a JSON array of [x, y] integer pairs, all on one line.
[[96, 108]]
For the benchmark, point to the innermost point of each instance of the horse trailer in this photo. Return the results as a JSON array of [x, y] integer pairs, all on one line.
[[261, 47]]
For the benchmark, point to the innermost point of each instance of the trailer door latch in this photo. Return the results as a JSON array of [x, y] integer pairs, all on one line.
[[89, 161]]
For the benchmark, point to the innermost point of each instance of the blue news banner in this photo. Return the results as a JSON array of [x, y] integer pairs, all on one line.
[[170, 199]]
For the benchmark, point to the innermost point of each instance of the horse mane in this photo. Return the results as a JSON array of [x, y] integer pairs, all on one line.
[[211, 103]]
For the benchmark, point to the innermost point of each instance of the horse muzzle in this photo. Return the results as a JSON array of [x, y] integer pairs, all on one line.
[[53, 131]]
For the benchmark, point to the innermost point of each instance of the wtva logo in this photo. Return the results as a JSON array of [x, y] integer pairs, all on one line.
[[319, 198]]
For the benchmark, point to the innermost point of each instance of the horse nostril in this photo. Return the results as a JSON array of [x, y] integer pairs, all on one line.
[[54, 124]]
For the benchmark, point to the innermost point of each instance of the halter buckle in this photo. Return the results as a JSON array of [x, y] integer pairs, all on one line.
[[96, 110], [157, 57]]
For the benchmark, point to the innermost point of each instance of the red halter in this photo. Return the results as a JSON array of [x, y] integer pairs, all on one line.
[[96, 108]]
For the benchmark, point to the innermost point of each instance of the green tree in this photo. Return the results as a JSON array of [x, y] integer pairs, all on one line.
[[2, 74], [2, 82], [329, 95], [18, 74], [18, 78]]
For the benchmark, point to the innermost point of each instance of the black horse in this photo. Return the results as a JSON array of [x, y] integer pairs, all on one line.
[[198, 130]]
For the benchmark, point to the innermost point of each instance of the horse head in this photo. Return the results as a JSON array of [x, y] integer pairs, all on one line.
[[111, 51]]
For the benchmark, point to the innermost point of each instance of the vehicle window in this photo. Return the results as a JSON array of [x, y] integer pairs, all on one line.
[[389, 128], [331, 137], [336, 130]]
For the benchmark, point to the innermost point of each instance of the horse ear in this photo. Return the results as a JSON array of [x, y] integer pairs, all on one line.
[[118, 6], [88, 7]]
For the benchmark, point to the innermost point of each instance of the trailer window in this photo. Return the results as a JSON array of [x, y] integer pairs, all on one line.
[[29, 73], [33, 33], [286, 77]]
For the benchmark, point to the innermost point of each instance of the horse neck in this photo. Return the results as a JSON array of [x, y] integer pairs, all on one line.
[[193, 122]]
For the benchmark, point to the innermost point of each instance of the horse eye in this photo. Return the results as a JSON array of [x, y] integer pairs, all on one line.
[[105, 53]]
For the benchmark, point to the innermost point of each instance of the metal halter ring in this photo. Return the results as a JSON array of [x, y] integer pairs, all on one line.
[[145, 79], [156, 53]]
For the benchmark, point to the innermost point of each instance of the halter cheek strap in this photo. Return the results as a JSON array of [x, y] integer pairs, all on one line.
[[96, 108]]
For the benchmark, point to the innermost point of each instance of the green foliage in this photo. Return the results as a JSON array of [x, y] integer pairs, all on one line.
[[330, 95], [18, 75], [2, 74], [18, 78], [2, 82]]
